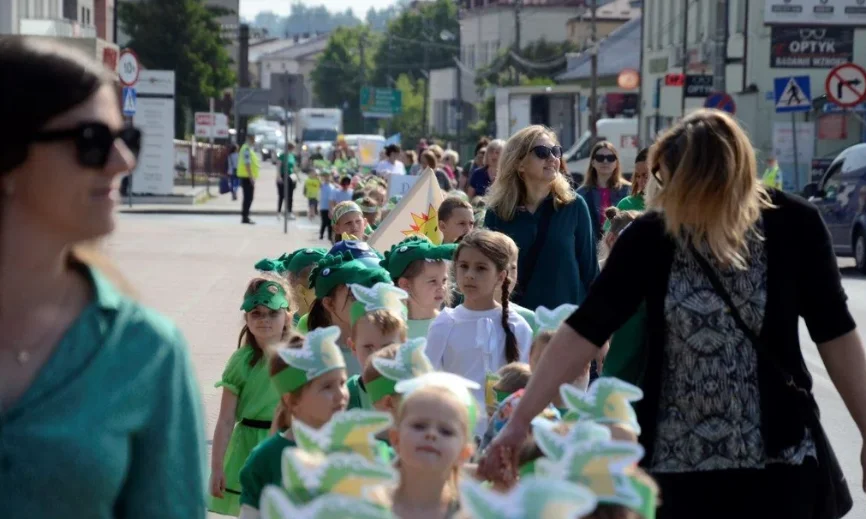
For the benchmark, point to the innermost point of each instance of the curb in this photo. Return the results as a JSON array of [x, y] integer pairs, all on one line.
[[205, 212]]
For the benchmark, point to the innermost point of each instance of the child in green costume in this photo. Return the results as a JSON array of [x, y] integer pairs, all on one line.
[[296, 267], [248, 399], [390, 365], [421, 269], [378, 318], [309, 375]]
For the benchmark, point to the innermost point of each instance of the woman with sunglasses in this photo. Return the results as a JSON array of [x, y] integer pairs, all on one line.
[[533, 202], [727, 268], [100, 412], [603, 185]]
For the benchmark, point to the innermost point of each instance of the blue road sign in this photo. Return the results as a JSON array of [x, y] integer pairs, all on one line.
[[792, 94], [721, 101], [129, 101]]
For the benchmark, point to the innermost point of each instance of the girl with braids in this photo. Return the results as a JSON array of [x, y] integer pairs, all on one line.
[[248, 397], [480, 335]]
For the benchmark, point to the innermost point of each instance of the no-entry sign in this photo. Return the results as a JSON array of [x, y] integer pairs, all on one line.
[[846, 85]]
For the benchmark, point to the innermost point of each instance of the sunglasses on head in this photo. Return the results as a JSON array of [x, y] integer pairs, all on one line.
[[94, 141], [604, 158], [544, 152]]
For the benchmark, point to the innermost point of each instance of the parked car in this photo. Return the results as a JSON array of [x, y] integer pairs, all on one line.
[[840, 196]]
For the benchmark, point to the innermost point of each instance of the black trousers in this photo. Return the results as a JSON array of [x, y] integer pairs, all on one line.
[[248, 190], [280, 196], [325, 225]]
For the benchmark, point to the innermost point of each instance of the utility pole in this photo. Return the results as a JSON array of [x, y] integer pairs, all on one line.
[[593, 91], [459, 108], [244, 78], [517, 6], [685, 56], [720, 45], [426, 77], [363, 82]]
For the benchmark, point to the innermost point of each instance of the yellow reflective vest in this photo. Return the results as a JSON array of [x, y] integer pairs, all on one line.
[[772, 177], [248, 154]]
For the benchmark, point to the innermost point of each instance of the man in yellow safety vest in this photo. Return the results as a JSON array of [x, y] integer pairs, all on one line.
[[248, 173], [772, 176]]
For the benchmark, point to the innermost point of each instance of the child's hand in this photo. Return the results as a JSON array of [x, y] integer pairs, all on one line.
[[217, 482]]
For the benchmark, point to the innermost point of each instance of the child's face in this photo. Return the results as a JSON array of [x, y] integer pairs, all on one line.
[[351, 223], [367, 339], [427, 290], [460, 222], [477, 276], [265, 324], [431, 434], [322, 398], [339, 306]]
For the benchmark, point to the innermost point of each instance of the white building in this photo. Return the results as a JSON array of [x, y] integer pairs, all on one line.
[[756, 54], [63, 18], [297, 56]]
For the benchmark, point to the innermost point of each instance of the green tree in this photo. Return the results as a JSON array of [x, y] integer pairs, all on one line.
[[184, 36], [338, 74], [409, 123]]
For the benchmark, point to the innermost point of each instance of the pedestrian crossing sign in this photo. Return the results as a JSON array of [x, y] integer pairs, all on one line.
[[792, 94], [129, 101]]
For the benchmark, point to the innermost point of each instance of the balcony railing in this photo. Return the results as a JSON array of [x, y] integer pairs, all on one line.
[[56, 28]]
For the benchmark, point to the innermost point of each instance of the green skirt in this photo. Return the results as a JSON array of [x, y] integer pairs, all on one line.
[[244, 439]]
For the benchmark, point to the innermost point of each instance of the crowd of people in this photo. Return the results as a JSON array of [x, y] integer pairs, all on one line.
[[609, 350]]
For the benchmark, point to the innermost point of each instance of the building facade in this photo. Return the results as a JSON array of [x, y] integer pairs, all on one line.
[[608, 18], [760, 47]]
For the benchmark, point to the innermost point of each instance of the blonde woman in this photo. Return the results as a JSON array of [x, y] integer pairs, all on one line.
[[533, 203], [603, 185], [483, 177], [728, 419]]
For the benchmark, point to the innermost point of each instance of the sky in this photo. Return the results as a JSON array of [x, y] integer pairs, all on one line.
[[250, 8]]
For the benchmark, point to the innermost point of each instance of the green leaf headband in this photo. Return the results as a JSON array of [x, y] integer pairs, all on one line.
[[319, 355], [533, 498], [308, 475], [381, 296], [275, 504], [411, 249], [607, 401], [608, 468], [549, 320], [350, 431], [344, 208], [554, 438], [342, 269], [410, 362], [459, 386], [269, 294], [369, 208], [303, 258]]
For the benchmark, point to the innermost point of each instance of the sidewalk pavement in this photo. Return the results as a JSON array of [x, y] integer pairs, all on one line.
[[264, 200]]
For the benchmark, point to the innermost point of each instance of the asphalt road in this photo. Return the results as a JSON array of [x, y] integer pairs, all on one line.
[[194, 269]]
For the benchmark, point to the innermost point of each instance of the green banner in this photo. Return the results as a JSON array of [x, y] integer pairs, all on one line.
[[381, 102]]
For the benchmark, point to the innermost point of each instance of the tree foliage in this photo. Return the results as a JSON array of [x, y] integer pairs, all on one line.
[[184, 36], [337, 77], [410, 121]]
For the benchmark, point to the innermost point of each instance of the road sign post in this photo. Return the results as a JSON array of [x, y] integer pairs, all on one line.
[[846, 85], [721, 101], [128, 68], [128, 101]]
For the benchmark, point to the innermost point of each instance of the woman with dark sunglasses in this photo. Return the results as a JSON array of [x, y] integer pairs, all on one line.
[[603, 185], [532, 201], [100, 412]]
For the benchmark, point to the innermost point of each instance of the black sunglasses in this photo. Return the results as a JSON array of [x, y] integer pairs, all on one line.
[[604, 158], [544, 152], [94, 141]]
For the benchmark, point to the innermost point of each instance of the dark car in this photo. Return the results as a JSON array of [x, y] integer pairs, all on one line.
[[840, 195]]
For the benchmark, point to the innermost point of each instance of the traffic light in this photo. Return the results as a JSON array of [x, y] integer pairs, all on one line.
[[675, 80]]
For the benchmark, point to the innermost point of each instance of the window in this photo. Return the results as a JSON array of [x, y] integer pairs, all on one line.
[[87, 22], [699, 21], [70, 8], [740, 16], [470, 58]]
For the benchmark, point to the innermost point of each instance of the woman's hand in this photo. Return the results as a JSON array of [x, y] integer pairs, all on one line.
[[217, 482], [498, 463]]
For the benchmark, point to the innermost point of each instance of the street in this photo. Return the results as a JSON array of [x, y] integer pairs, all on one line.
[[194, 268]]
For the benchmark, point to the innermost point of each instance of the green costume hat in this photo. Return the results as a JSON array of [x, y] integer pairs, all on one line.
[[411, 249], [319, 355], [607, 401], [269, 294], [342, 269], [410, 362], [275, 504], [608, 468], [549, 320], [554, 438], [459, 386], [303, 258], [344, 208], [308, 475], [533, 498], [350, 431], [381, 296], [277, 265]]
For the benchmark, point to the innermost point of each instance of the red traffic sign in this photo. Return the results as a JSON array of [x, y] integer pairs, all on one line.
[[721, 101], [128, 67], [846, 85]]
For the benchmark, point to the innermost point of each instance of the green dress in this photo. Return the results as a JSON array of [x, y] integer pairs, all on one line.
[[418, 328], [262, 468], [257, 400], [626, 358], [358, 397]]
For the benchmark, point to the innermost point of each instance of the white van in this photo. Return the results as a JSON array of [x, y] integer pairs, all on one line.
[[622, 133]]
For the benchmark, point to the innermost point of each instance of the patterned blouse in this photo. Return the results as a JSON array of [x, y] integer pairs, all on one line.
[[709, 410]]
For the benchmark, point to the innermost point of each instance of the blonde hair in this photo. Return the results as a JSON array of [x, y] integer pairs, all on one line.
[[494, 145], [508, 190], [386, 321], [591, 177], [513, 377], [710, 191], [542, 339], [452, 156], [437, 151]]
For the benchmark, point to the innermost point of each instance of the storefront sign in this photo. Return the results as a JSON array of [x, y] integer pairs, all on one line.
[[811, 47], [698, 86], [815, 12]]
